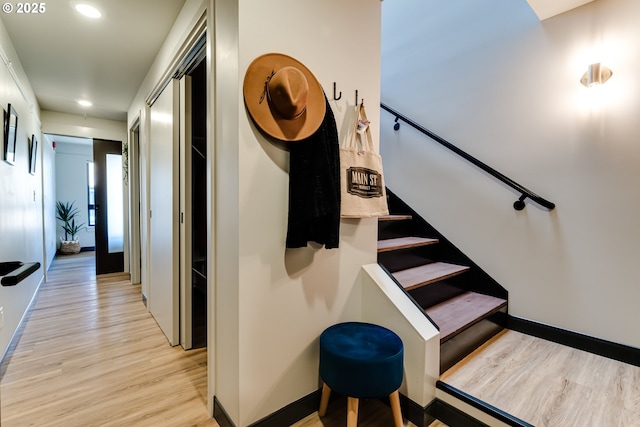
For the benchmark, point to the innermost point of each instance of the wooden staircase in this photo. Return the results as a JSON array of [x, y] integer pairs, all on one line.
[[466, 305]]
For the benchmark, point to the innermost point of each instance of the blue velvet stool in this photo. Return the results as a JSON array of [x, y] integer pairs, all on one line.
[[361, 361]]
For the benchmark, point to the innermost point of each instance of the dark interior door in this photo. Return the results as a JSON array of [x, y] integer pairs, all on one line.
[[109, 199]]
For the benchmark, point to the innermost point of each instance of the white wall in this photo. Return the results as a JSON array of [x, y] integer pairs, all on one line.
[[85, 127], [276, 302], [21, 223], [490, 77], [71, 186], [385, 304]]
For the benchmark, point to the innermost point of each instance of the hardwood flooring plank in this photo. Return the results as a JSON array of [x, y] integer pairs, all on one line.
[[427, 274], [398, 243], [371, 413], [91, 355], [548, 384], [454, 314], [394, 217]]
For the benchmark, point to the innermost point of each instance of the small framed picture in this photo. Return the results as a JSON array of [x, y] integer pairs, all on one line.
[[33, 155], [10, 133]]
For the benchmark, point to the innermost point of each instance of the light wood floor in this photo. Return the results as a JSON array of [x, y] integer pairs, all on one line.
[[91, 355], [548, 384], [371, 413]]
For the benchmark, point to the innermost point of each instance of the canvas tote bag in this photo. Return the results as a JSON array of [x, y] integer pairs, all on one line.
[[362, 187]]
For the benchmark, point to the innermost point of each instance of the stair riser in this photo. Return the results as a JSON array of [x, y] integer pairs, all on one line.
[[456, 348], [403, 260], [393, 229], [430, 295]]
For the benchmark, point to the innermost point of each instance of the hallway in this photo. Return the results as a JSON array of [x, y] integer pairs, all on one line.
[[91, 355]]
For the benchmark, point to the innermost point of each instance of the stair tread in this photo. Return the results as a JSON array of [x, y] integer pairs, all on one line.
[[404, 243], [394, 217], [454, 315], [426, 274]]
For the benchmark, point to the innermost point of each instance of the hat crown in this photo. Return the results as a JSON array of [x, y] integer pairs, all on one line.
[[283, 97], [288, 91]]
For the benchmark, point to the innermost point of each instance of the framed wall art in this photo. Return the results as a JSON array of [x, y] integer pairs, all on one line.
[[33, 154], [10, 133]]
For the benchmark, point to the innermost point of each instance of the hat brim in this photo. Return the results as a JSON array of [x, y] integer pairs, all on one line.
[[265, 117]]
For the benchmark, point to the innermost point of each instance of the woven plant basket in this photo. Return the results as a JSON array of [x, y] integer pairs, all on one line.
[[69, 247]]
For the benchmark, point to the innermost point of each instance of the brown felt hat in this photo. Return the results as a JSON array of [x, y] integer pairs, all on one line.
[[283, 97]]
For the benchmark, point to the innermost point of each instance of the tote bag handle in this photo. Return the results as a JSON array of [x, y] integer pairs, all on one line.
[[366, 141]]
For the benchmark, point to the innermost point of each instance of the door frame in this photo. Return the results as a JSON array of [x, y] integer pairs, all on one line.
[[135, 206], [184, 141]]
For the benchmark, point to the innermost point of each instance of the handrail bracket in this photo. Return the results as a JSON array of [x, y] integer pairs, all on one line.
[[519, 204]]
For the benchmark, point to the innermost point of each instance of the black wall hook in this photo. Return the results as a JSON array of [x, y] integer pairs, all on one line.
[[336, 98], [361, 101], [396, 125]]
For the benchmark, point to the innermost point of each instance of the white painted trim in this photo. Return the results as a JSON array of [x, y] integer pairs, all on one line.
[[134, 201], [197, 32], [211, 212], [185, 223]]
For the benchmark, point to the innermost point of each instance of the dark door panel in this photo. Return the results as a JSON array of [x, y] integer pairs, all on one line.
[[109, 245]]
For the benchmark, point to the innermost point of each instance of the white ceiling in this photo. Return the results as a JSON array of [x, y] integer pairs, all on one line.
[[68, 57]]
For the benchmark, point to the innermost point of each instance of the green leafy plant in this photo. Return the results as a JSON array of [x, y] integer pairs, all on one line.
[[66, 213]]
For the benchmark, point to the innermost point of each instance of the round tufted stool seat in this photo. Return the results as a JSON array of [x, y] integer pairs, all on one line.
[[361, 361]]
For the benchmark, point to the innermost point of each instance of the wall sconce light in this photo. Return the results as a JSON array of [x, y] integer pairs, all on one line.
[[596, 74]]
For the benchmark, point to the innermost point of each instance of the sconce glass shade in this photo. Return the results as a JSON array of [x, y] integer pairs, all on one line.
[[596, 74]]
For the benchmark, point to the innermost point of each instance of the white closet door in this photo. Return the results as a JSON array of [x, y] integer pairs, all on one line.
[[163, 298]]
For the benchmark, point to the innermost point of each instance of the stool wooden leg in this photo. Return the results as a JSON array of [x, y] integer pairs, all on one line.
[[352, 412], [394, 398], [324, 400]]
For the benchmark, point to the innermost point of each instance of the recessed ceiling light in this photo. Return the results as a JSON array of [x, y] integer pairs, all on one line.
[[85, 103], [88, 10]]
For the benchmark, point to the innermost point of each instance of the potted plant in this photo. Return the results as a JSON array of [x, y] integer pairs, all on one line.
[[66, 213]]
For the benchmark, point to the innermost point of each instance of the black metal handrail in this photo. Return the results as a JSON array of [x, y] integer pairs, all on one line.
[[517, 205]]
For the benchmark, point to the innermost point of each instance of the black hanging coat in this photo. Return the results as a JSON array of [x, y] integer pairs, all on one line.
[[314, 187]]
